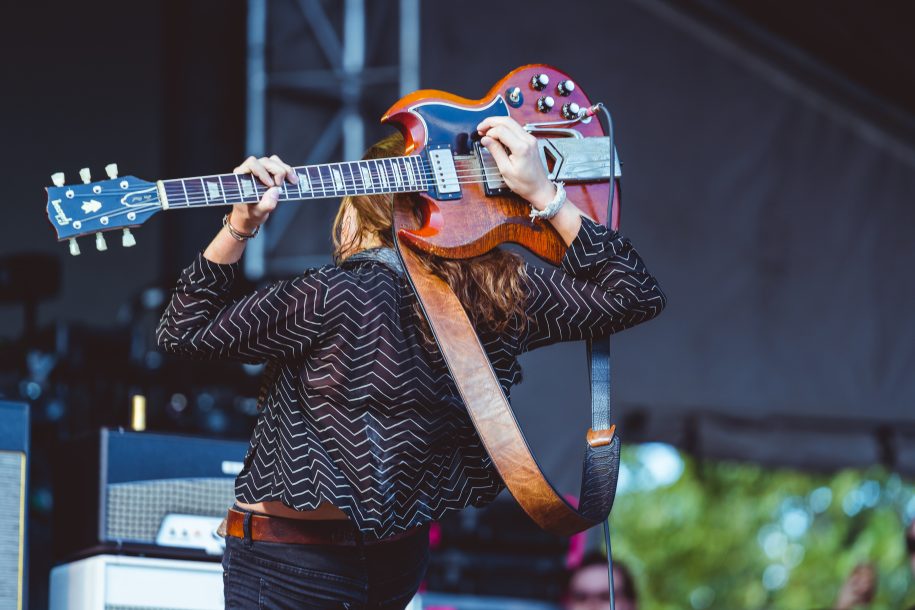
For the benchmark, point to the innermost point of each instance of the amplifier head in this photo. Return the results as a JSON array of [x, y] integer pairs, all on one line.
[[154, 493]]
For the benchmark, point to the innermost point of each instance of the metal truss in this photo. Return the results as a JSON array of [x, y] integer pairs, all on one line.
[[345, 78]]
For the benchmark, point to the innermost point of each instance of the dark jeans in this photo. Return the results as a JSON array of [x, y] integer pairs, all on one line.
[[382, 576]]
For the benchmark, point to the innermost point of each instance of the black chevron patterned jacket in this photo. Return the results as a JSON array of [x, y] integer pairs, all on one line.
[[362, 413]]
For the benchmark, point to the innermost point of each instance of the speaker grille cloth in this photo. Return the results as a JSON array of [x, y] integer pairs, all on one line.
[[136, 509], [10, 507]]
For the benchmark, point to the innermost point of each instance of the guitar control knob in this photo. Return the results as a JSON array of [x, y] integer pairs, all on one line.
[[539, 81], [100, 244], [85, 175], [57, 178], [514, 97], [112, 170], [127, 239], [74, 247], [571, 110], [565, 87], [545, 103]]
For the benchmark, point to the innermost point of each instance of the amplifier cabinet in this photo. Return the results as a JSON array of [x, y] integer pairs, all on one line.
[[14, 451], [125, 491], [119, 582]]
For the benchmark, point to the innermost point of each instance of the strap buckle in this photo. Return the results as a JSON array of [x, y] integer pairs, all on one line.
[[601, 438]]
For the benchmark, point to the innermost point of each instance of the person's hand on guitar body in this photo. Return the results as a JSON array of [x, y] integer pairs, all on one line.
[[518, 159], [246, 218]]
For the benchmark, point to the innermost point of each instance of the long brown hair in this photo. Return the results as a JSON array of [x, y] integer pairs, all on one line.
[[489, 286]]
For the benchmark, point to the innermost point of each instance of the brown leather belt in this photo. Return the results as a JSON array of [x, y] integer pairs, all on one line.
[[267, 528]]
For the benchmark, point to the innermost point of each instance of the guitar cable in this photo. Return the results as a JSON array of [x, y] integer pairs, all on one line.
[[607, 123]]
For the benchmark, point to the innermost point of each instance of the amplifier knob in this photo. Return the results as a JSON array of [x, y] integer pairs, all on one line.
[[540, 81], [565, 87], [570, 111], [545, 103]]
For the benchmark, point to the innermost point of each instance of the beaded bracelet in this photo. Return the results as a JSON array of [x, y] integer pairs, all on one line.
[[238, 235], [552, 208]]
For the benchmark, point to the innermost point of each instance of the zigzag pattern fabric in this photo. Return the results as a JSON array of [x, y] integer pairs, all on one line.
[[363, 412]]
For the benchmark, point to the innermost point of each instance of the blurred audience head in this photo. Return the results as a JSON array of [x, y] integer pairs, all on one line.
[[588, 588], [859, 588]]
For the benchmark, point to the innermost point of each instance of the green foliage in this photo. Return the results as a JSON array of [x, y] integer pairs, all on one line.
[[707, 540]]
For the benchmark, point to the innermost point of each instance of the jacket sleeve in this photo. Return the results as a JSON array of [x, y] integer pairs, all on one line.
[[281, 320], [602, 288]]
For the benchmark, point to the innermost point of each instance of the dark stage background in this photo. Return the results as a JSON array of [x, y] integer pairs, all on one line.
[[769, 172]]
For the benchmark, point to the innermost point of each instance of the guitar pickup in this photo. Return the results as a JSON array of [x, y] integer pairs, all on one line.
[[444, 183]]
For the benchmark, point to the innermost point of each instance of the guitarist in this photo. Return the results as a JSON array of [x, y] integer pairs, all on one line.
[[363, 439]]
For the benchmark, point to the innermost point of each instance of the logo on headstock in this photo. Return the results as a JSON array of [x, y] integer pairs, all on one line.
[[144, 197], [91, 206], [60, 217]]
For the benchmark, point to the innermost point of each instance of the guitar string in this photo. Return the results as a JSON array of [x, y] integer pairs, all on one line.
[[260, 189], [423, 168], [204, 202], [316, 190], [489, 172], [426, 180]]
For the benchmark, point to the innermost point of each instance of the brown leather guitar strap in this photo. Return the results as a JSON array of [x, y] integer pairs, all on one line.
[[491, 412]]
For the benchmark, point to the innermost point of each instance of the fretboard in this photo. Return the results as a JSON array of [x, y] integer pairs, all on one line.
[[366, 177]]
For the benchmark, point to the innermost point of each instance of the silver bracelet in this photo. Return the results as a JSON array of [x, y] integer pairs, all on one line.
[[552, 208], [238, 235]]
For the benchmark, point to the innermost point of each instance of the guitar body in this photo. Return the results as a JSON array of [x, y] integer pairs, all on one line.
[[477, 221]]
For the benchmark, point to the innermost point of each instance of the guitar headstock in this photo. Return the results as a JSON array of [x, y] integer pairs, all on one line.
[[77, 210]]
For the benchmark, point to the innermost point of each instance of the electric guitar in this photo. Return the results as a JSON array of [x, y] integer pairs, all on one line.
[[466, 207]]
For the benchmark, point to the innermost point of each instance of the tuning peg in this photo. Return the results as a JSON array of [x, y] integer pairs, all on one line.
[[74, 247], [127, 239], [85, 175], [100, 244], [57, 178], [112, 170]]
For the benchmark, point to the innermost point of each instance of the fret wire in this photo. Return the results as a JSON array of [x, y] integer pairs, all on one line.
[[241, 195], [382, 179], [323, 190], [225, 191], [358, 187], [364, 172], [344, 168], [204, 189], [341, 168], [392, 184]]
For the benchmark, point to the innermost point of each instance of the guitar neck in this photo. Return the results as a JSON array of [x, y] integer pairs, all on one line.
[[365, 177]]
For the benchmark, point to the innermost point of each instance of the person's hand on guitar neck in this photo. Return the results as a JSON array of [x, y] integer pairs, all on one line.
[[246, 218], [515, 153]]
